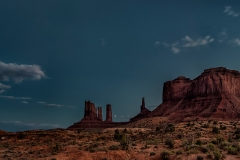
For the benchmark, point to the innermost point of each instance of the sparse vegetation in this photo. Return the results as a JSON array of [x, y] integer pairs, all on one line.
[[178, 142], [165, 155], [169, 143], [152, 153], [199, 157], [215, 130], [113, 147]]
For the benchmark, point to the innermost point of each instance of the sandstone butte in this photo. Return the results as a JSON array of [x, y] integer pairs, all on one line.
[[215, 94]]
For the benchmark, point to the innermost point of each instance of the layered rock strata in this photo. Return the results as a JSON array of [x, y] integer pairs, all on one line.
[[213, 94]]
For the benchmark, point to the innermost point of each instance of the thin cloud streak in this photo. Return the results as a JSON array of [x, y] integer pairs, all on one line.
[[174, 47], [55, 105], [3, 86], [12, 97], [228, 10], [222, 35], [189, 42], [24, 102]]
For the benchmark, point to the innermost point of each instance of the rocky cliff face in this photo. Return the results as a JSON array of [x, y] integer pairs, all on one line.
[[213, 94]]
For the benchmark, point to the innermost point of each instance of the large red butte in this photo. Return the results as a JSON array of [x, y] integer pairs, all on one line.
[[214, 94]]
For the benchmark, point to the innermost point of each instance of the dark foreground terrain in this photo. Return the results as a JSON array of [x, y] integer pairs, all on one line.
[[187, 140]]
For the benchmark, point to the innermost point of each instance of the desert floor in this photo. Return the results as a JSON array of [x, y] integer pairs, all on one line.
[[149, 139]]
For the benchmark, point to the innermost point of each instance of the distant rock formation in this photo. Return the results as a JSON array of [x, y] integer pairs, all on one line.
[[143, 112], [93, 118], [100, 113], [90, 111], [109, 113], [213, 94]]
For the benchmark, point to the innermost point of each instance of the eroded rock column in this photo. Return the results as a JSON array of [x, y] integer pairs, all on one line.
[[109, 113]]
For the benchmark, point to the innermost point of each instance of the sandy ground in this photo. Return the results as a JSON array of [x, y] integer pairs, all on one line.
[[142, 139]]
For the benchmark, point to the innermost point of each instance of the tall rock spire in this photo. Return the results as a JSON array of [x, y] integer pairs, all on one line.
[[143, 104], [100, 113], [109, 113]]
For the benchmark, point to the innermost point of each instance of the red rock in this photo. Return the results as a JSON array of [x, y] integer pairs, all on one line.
[[100, 113], [213, 94], [109, 113], [143, 113], [93, 118]]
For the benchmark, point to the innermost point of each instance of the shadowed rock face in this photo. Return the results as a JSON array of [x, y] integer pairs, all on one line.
[[93, 118], [144, 111], [213, 94], [108, 113]]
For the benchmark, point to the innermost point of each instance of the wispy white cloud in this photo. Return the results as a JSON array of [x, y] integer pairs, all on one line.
[[50, 105], [71, 107], [174, 47], [2, 90], [165, 44], [236, 41], [3, 87], [228, 10], [41, 102], [222, 35], [186, 42], [189, 42], [55, 105], [175, 50], [12, 97], [18, 73], [24, 102], [157, 43]]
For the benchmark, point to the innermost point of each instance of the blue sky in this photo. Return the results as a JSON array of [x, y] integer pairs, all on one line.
[[54, 55]]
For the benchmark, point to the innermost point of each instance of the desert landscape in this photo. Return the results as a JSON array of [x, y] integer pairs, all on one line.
[[193, 140], [119, 80], [198, 119]]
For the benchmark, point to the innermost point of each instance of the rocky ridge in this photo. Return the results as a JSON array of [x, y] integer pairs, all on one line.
[[213, 94]]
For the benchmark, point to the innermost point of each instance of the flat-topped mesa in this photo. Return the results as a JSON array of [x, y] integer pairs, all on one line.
[[216, 82], [215, 93], [221, 70], [217, 69], [108, 113], [212, 82], [180, 78]]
